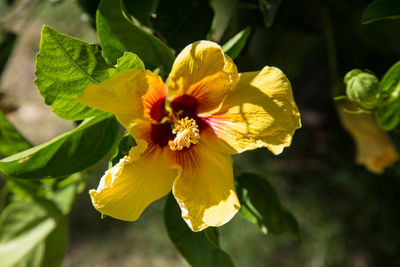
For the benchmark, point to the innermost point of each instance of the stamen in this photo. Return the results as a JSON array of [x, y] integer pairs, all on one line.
[[187, 133]]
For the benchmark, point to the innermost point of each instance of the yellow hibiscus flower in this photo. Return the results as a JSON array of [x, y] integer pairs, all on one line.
[[187, 129], [374, 148]]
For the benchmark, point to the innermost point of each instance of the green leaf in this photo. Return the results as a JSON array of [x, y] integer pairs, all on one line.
[[6, 47], [11, 141], [141, 9], [183, 22], [66, 154], [67, 190], [212, 235], [33, 258], [388, 116], [61, 192], [381, 9], [223, 10], [65, 66], [261, 203], [23, 226], [390, 82], [25, 188], [124, 145], [56, 244], [249, 215], [129, 61], [4, 197], [49, 252], [268, 9], [235, 45], [117, 34], [34, 231], [195, 247]]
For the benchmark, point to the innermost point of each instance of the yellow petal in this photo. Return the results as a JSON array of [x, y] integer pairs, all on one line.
[[205, 190], [375, 150], [129, 95], [202, 69], [259, 112], [131, 185]]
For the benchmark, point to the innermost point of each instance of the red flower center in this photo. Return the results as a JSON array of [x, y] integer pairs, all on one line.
[[182, 106]]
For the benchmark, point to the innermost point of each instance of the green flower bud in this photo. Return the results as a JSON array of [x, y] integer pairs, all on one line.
[[363, 88]]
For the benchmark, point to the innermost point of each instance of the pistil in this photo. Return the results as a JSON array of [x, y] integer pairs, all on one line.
[[187, 133]]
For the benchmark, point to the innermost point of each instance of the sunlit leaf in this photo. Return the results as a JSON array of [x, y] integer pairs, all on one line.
[[390, 81], [388, 116], [129, 61], [268, 9], [183, 22], [261, 204], [11, 141], [65, 66], [118, 34], [235, 45], [195, 247], [66, 154], [381, 9]]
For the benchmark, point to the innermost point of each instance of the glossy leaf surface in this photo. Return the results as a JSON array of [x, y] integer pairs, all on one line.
[[261, 204], [195, 247], [381, 9], [118, 34], [64, 155]]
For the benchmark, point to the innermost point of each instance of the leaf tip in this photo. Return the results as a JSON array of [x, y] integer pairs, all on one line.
[[46, 28]]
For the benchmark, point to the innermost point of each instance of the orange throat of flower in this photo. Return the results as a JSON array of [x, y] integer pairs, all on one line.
[[187, 133]]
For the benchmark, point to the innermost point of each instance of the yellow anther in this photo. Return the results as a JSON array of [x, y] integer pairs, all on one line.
[[187, 133]]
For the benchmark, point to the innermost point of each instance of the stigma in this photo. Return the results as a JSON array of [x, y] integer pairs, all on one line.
[[187, 133]]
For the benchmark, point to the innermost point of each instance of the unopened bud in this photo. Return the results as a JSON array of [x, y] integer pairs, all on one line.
[[363, 88]]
